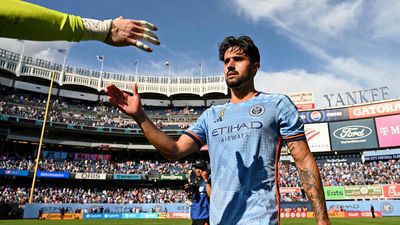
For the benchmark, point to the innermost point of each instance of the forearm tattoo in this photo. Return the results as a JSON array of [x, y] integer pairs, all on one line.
[[313, 188], [310, 178]]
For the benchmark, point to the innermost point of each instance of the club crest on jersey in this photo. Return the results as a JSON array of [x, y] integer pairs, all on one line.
[[257, 110], [221, 115]]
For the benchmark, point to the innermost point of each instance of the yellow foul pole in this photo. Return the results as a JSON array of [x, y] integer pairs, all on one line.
[[41, 138]]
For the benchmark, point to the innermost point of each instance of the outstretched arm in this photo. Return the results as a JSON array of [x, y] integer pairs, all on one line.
[[24, 20], [310, 178], [132, 106]]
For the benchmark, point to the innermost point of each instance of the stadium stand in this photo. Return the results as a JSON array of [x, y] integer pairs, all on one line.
[[106, 159]]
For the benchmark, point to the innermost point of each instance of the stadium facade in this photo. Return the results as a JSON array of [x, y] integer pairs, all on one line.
[[84, 126]]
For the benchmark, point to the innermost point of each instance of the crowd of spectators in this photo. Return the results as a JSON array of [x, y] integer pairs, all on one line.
[[344, 174], [102, 114], [56, 195], [333, 174], [143, 167], [86, 113], [357, 173]]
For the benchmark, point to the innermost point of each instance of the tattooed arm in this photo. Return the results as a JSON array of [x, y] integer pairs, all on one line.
[[310, 178]]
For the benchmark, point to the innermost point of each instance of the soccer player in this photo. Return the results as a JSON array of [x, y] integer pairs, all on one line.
[[23, 20], [244, 138]]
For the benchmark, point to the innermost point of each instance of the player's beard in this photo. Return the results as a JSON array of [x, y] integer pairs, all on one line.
[[239, 80]]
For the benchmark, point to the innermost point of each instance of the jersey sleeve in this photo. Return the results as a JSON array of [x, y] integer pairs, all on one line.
[[198, 131], [291, 126], [23, 20]]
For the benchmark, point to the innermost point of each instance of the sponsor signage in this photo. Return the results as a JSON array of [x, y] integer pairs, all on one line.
[[317, 116], [284, 190], [54, 155], [391, 191], [172, 177], [381, 157], [362, 191], [317, 137], [178, 215], [330, 214], [84, 156], [339, 160], [293, 215], [32, 210], [388, 129], [361, 214], [91, 176], [303, 100], [388, 208], [120, 216], [127, 176], [357, 134], [57, 216], [139, 215], [334, 192], [306, 106], [374, 110], [18, 173], [52, 174]]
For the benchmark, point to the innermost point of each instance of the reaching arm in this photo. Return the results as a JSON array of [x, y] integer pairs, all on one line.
[[310, 178], [204, 176], [24, 20], [131, 105]]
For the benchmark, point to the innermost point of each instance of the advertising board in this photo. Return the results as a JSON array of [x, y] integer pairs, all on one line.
[[318, 116], [91, 176], [317, 135], [353, 134], [374, 110], [388, 129]]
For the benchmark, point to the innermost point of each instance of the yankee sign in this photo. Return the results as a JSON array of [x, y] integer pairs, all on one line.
[[357, 97]]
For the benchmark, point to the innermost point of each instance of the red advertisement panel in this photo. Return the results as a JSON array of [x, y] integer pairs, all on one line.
[[84, 156], [373, 110], [388, 129], [293, 215], [178, 215], [284, 190], [361, 214], [391, 191], [303, 107]]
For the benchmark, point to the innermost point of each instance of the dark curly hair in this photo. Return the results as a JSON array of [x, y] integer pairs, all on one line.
[[244, 43]]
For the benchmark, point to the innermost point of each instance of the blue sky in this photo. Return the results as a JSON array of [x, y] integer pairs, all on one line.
[[306, 45]]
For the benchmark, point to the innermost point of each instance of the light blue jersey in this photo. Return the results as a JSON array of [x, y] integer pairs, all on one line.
[[244, 142]]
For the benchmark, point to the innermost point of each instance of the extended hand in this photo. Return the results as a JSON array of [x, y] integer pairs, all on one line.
[[131, 105], [204, 175], [129, 32]]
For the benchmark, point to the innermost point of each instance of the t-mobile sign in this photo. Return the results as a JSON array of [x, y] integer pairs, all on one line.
[[388, 129]]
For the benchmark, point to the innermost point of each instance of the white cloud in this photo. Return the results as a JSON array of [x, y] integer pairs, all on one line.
[[41, 50], [355, 42], [339, 18], [304, 15], [385, 21], [261, 8], [292, 81]]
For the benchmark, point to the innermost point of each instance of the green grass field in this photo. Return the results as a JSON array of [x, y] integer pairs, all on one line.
[[363, 221]]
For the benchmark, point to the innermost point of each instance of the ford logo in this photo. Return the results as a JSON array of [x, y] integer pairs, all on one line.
[[352, 132]]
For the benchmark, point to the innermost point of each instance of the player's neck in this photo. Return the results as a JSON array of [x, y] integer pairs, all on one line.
[[242, 94]]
